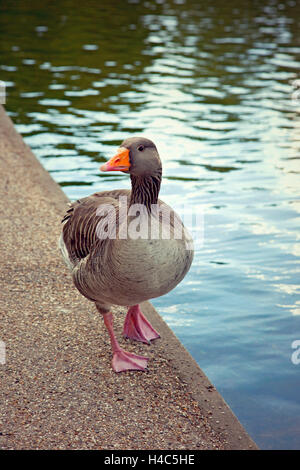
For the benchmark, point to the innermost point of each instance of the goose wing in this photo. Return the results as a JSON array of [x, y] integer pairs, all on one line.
[[79, 234]]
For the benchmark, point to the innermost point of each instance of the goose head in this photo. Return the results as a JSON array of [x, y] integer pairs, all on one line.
[[137, 156]]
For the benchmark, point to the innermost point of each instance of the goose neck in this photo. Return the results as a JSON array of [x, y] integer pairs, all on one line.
[[145, 190]]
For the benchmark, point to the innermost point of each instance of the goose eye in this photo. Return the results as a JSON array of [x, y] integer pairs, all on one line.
[[141, 148]]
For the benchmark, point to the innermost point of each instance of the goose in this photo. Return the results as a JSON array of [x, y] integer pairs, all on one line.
[[124, 247]]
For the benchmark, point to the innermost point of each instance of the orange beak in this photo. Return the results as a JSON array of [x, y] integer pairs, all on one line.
[[120, 162]]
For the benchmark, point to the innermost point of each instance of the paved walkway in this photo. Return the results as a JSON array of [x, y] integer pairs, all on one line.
[[57, 389]]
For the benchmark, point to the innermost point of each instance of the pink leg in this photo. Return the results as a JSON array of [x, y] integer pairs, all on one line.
[[122, 360], [136, 326]]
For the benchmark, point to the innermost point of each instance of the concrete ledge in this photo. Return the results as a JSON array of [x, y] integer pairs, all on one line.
[[57, 388]]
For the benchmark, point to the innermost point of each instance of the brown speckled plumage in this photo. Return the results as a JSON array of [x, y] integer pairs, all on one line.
[[122, 272]]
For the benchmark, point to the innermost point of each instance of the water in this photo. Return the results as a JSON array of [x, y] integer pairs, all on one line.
[[214, 85]]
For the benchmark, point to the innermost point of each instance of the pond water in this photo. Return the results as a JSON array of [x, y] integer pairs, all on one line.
[[216, 86]]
